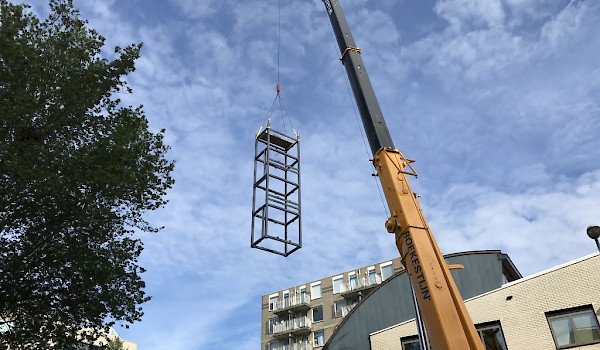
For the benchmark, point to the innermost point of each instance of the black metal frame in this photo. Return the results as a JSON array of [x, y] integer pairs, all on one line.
[[267, 197]]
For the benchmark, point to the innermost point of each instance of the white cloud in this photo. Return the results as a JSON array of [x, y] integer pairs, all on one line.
[[471, 12], [196, 9], [565, 24], [538, 228]]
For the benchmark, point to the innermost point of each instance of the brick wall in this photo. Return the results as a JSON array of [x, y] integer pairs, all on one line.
[[520, 306]]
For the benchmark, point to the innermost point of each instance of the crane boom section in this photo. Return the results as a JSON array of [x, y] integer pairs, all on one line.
[[446, 319], [370, 111]]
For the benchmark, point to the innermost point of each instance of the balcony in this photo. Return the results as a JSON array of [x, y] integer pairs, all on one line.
[[296, 303], [294, 346], [291, 327], [344, 310], [359, 287]]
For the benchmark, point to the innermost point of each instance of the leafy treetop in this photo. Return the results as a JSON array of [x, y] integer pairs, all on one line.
[[77, 171]]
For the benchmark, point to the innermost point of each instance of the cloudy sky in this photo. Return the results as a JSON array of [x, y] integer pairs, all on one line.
[[497, 100]]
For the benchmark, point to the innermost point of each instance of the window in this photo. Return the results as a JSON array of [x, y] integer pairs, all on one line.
[[317, 313], [303, 298], [372, 275], [491, 336], [319, 338], [273, 345], [352, 280], [272, 323], [387, 270], [273, 301], [339, 308], [303, 344], [302, 320], [572, 327], [286, 299], [410, 343], [315, 290], [337, 283]]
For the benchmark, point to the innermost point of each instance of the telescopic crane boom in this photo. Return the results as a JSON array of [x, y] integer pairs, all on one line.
[[446, 319]]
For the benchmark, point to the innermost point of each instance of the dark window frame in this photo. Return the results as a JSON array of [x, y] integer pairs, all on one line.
[[315, 338], [583, 309], [336, 309], [322, 313], [410, 339], [490, 325]]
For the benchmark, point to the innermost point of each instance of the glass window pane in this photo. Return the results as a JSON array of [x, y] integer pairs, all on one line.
[[286, 299], [561, 330], [491, 336], [272, 323], [337, 284], [318, 313], [586, 329], [411, 344], [339, 308], [372, 277], [303, 295], [386, 272], [493, 339], [315, 291], [319, 338], [352, 279]]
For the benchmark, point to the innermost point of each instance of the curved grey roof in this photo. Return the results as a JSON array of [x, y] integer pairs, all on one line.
[[391, 302]]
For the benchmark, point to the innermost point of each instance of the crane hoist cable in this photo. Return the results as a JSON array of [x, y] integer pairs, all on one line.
[[277, 101]]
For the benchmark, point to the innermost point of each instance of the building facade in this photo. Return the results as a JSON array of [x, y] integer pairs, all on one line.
[[554, 309], [391, 302], [303, 317], [340, 311]]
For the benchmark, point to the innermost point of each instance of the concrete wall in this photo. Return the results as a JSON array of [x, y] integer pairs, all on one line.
[[521, 306]]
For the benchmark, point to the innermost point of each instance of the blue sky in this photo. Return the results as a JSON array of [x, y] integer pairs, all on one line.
[[497, 100]]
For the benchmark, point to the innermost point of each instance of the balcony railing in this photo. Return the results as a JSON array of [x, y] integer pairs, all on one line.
[[294, 326], [293, 303], [344, 310], [294, 346], [356, 286]]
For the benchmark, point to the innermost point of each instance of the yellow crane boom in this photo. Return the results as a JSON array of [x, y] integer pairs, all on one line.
[[447, 322]]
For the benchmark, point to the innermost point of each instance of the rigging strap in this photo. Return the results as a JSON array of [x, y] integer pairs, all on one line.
[[353, 49]]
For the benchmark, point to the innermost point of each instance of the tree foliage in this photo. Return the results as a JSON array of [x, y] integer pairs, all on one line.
[[115, 344], [77, 171]]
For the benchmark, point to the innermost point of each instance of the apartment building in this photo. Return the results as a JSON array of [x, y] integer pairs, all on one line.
[[304, 316]]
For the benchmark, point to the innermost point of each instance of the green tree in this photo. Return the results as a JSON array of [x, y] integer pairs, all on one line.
[[77, 171], [115, 344]]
